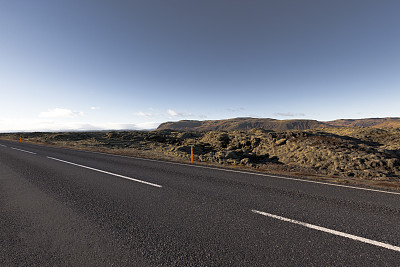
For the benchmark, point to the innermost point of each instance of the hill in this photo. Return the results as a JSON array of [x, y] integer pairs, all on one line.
[[372, 122], [275, 125], [242, 124]]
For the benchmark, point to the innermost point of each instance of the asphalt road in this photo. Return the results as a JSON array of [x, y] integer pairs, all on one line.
[[65, 207]]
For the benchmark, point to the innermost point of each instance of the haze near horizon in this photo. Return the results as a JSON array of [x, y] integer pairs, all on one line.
[[93, 65]]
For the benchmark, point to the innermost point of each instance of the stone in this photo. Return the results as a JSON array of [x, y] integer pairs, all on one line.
[[232, 155], [245, 161], [393, 162], [280, 142]]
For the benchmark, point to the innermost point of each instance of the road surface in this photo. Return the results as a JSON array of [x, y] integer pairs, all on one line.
[[67, 207]]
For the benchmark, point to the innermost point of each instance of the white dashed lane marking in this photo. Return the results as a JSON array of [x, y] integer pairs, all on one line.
[[330, 231], [23, 150], [106, 172]]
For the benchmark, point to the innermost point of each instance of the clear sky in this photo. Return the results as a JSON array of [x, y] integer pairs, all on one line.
[[80, 64]]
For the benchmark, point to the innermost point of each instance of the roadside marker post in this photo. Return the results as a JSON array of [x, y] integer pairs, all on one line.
[[191, 154]]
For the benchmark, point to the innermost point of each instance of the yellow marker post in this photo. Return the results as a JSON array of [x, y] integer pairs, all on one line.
[[191, 154]]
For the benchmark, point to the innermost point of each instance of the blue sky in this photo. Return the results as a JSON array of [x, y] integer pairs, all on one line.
[[134, 64]]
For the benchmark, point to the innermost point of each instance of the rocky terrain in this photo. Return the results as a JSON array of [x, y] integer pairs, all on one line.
[[276, 125], [345, 152]]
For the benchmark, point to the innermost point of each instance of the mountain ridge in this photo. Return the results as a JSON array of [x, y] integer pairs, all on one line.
[[248, 123]]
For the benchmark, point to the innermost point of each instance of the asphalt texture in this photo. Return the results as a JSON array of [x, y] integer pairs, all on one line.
[[53, 213]]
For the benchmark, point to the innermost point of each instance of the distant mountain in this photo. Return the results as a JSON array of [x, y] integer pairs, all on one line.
[[242, 124], [276, 125], [372, 122]]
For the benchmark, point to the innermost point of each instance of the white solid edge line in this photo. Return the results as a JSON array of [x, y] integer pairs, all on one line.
[[23, 150], [330, 231], [106, 172], [226, 170], [244, 172]]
